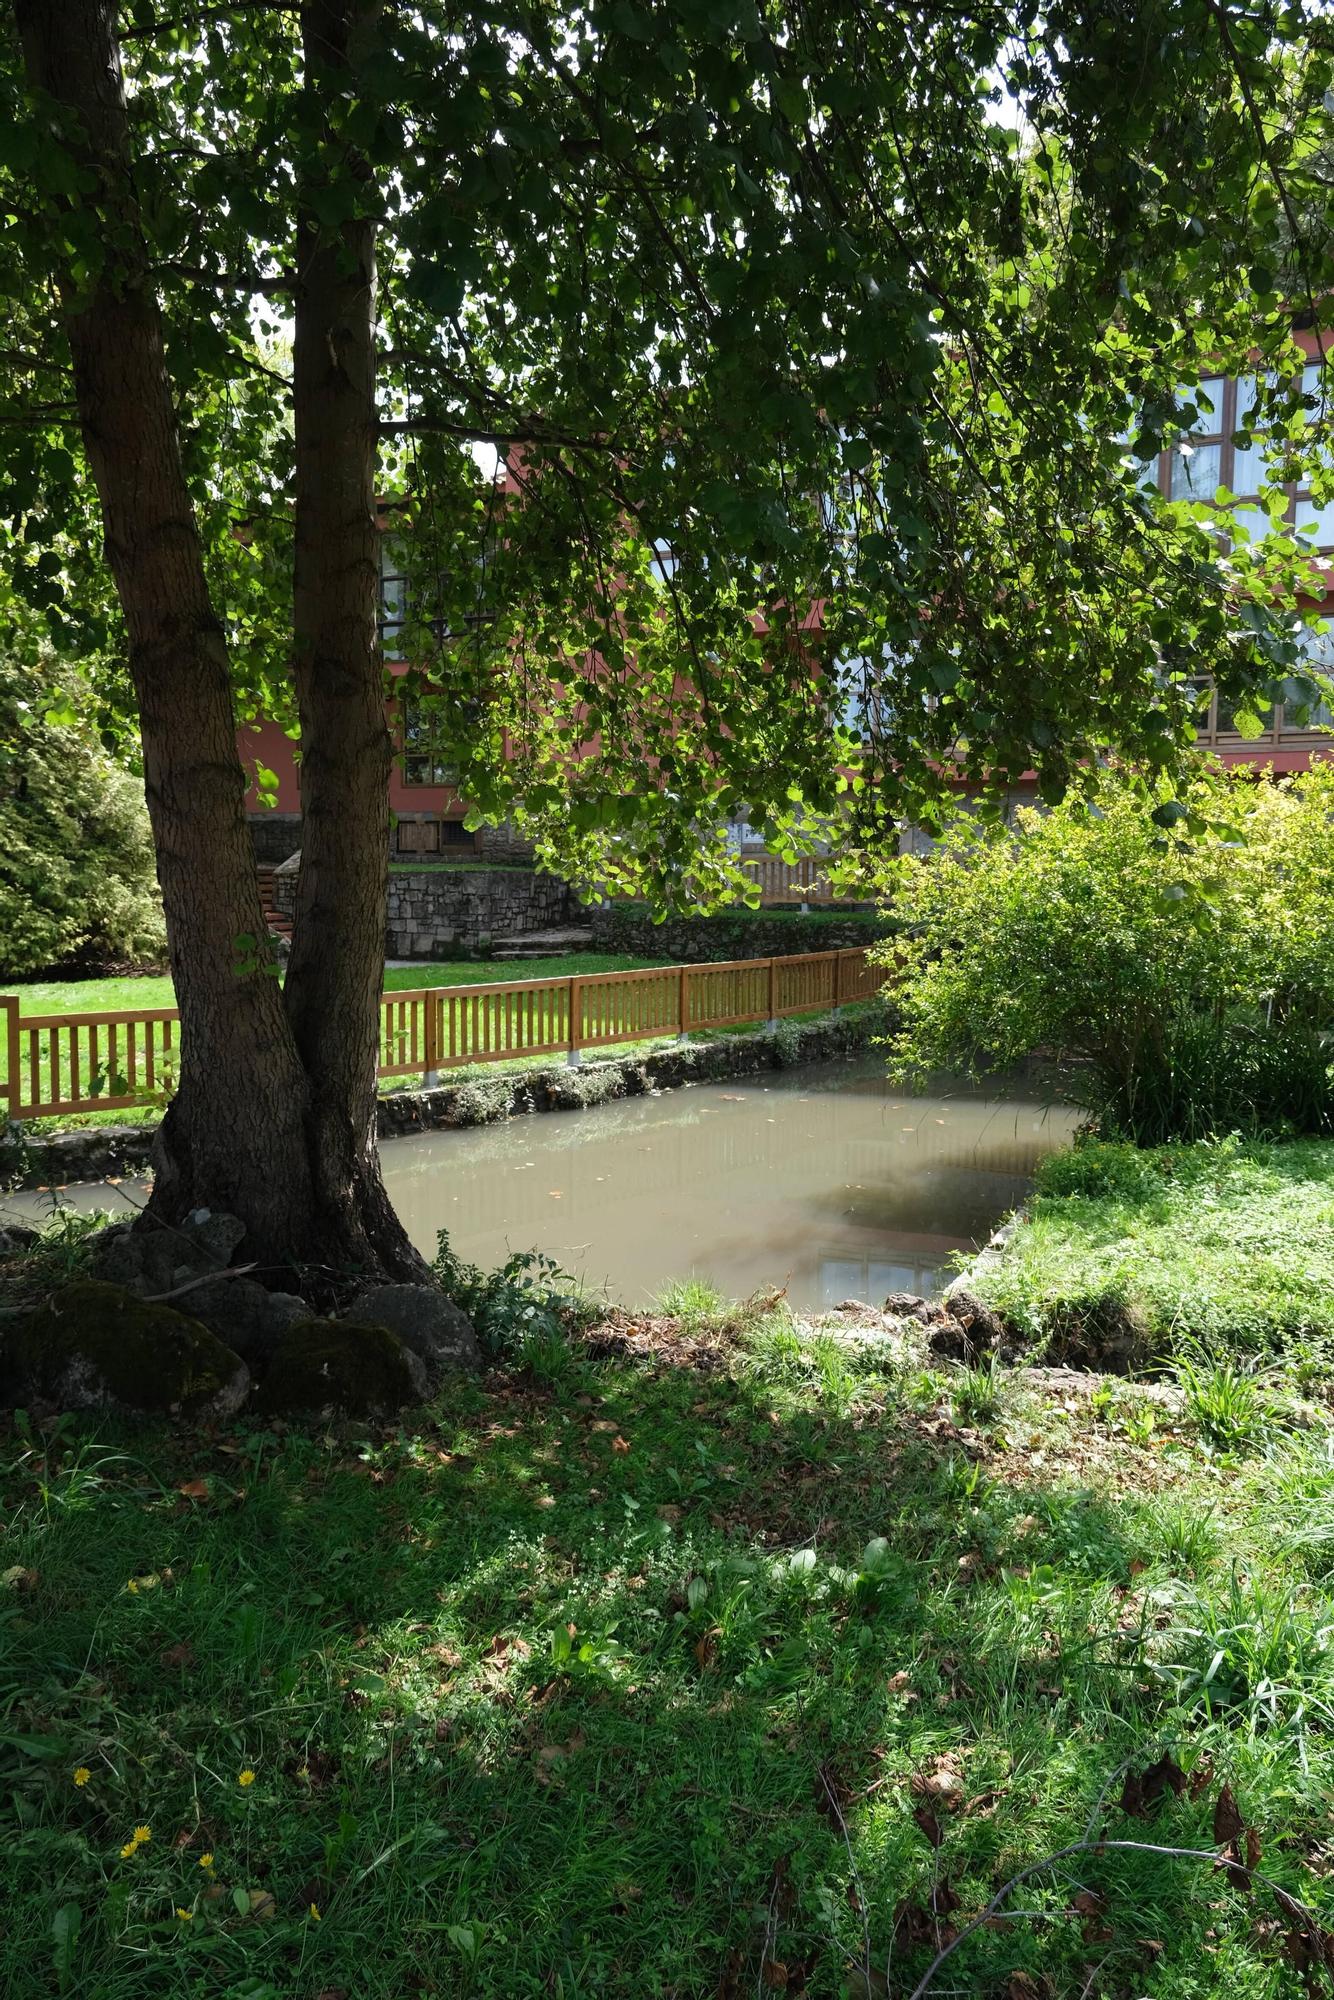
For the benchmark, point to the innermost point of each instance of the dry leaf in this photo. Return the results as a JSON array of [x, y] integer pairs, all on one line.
[[182, 1655], [618, 1444], [194, 1489], [1141, 1793], [929, 1825]]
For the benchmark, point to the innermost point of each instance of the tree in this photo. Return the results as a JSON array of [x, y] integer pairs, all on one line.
[[808, 372], [76, 857], [1184, 960]]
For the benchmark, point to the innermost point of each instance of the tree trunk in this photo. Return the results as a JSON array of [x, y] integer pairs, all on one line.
[[336, 970], [267, 1122]]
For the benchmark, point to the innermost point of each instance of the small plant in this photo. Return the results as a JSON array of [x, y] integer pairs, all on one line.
[[977, 1393], [1187, 1537], [529, 1299], [1223, 1399], [696, 1303]]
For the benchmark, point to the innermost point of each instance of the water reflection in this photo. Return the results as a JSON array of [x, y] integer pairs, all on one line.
[[824, 1179]]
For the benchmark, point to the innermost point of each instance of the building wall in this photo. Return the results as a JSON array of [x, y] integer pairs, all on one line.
[[458, 912]]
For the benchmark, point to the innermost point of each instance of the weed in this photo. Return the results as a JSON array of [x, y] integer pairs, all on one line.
[[1223, 1399], [695, 1302], [977, 1392]]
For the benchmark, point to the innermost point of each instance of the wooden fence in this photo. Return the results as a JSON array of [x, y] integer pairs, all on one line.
[[55, 1063]]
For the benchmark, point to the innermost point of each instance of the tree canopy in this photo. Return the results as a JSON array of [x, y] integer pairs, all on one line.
[[870, 317]]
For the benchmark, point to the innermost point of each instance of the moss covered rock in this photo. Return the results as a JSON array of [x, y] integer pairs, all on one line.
[[95, 1346], [323, 1364]]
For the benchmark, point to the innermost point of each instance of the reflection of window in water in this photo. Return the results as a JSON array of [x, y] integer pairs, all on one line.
[[872, 1279]]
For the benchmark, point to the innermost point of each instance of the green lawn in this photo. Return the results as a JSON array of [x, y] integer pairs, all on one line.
[[1226, 1243], [89, 996], [606, 1678]]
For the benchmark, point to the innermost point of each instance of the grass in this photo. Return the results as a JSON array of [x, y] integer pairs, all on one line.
[[92, 996], [609, 1678], [1224, 1244]]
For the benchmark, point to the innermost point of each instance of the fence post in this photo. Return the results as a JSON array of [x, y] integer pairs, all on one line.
[[433, 1005], [683, 1005], [13, 1094], [772, 1021], [575, 1056]]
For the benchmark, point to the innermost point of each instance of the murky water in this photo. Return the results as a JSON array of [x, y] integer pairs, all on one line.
[[824, 1179]]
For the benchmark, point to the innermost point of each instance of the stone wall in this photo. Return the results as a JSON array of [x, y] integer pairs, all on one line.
[[438, 913], [629, 928], [274, 836]]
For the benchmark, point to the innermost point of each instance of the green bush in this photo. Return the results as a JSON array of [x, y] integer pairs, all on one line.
[[77, 887], [1182, 958]]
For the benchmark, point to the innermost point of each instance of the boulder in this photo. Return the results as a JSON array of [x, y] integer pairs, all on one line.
[[15, 1238], [240, 1312], [151, 1261], [438, 1332], [342, 1365], [96, 1346]]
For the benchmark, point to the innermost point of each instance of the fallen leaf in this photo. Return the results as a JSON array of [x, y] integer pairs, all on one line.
[[194, 1489], [929, 1825], [706, 1647], [774, 1975], [1228, 1822], [619, 1444], [1142, 1793], [19, 1578], [182, 1655], [262, 1906], [668, 1513]]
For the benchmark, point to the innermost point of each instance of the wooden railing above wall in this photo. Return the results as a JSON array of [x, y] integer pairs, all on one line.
[[61, 1063]]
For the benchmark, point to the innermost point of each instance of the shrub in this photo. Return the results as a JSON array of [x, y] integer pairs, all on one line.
[[77, 887], [1184, 957]]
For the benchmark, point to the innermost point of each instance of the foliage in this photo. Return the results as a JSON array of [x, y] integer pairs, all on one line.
[[76, 859], [526, 1300], [746, 349], [1188, 965], [643, 1681], [1229, 1246]]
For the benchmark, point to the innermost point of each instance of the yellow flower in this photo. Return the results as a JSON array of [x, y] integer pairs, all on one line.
[[132, 1587], [128, 1849], [186, 1916], [142, 1835], [247, 1777], [206, 1860], [314, 1913], [82, 1775]]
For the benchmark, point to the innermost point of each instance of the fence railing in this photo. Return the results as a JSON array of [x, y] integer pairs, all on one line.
[[56, 1063], [804, 881]]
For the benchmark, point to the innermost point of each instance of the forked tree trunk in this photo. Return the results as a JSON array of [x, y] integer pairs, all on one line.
[[336, 969], [255, 1125]]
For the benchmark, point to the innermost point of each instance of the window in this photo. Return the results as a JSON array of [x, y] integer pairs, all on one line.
[[393, 600], [1319, 649], [424, 758], [1315, 518]]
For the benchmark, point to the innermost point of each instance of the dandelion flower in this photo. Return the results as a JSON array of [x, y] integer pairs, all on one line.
[[128, 1849], [247, 1777], [206, 1860], [314, 1913], [142, 1835], [82, 1775], [186, 1916]]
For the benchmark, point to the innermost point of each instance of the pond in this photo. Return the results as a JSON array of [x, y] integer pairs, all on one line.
[[824, 1179]]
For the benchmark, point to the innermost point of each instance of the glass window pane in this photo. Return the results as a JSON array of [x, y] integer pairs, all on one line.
[[1208, 420], [1256, 524], [1197, 472], [1316, 522]]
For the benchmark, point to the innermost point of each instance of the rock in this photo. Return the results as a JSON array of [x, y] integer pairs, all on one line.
[[950, 1341], [95, 1346], [985, 1329], [438, 1332], [151, 1260], [343, 1365], [240, 1312], [907, 1305], [15, 1239]]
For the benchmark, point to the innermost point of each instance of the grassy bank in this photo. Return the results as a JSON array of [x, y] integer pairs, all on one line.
[[756, 1664], [90, 996], [1226, 1244]]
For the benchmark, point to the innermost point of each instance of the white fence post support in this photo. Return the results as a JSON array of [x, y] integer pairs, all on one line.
[[683, 1006], [772, 1022], [576, 1054]]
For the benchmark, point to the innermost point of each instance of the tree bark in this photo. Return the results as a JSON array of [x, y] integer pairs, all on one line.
[[336, 970], [273, 1114]]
